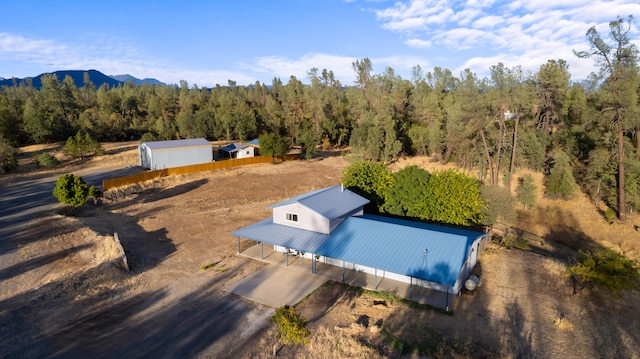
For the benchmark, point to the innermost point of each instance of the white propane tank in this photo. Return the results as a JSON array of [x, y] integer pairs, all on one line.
[[472, 282]]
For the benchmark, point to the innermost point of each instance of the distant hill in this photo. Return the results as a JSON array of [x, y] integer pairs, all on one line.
[[146, 81], [96, 77]]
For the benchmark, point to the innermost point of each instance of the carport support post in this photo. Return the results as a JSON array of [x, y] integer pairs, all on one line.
[[287, 256], [343, 271], [447, 301], [375, 278], [238, 244], [410, 287], [313, 263], [261, 250]]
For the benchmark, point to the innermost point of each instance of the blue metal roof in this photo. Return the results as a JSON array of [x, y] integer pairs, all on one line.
[[233, 147], [285, 236], [331, 202], [398, 246], [254, 142], [389, 244], [189, 142]]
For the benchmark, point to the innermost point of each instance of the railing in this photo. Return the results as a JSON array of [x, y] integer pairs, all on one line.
[[209, 166]]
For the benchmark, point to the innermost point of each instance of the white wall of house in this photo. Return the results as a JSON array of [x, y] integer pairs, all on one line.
[[304, 217], [245, 152]]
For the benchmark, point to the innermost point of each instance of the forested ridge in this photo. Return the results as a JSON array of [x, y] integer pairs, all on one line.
[[510, 119]]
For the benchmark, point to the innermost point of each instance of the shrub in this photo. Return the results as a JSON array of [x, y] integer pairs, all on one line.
[[499, 205], [80, 146], [148, 137], [8, 155], [46, 160], [609, 215], [71, 190], [292, 328], [608, 269], [527, 192], [94, 194], [560, 182]]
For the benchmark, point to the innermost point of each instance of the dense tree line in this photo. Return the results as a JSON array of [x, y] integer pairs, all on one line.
[[509, 120]]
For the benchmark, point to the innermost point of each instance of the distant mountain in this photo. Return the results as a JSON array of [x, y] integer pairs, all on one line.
[[97, 78], [146, 81]]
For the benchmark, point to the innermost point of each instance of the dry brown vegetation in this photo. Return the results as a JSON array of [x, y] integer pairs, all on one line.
[[64, 294]]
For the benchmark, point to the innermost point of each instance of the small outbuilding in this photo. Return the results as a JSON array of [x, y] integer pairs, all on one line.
[[236, 150], [175, 153]]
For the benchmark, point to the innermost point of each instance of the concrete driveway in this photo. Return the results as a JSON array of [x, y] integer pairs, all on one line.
[[276, 285]]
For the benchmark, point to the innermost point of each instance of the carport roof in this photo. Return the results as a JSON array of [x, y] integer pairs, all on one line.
[[285, 236]]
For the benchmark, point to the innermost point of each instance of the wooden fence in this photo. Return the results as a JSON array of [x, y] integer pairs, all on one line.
[[209, 166]]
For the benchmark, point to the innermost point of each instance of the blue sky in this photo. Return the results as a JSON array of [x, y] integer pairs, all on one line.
[[210, 42]]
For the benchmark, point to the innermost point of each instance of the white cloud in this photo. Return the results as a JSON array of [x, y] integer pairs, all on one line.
[[284, 67], [418, 43], [526, 33]]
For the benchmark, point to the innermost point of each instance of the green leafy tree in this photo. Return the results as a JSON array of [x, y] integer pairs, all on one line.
[[499, 205], [560, 182], [80, 146], [71, 190], [527, 192], [406, 196], [8, 155], [46, 160], [608, 269], [371, 180], [273, 145], [453, 198], [291, 326], [618, 60]]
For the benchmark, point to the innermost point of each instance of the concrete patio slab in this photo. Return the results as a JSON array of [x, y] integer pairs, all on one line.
[[276, 285]]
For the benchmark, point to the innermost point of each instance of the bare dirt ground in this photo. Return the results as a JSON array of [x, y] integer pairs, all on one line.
[[65, 294]]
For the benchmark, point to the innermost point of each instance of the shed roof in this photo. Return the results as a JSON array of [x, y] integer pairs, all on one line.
[[189, 142], [331, 202], [233, 147], [255, 142]]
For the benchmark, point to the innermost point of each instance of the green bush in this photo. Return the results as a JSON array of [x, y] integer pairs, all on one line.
[[148, 137], [8, 155], [609, 215], [608, 269], [81, 146], [46, 160], [71, 190], [292, 328]]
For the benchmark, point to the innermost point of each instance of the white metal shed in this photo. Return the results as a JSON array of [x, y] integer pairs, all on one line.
[[175, 153]]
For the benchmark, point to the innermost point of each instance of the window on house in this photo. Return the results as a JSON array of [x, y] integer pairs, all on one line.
[[292, 217]]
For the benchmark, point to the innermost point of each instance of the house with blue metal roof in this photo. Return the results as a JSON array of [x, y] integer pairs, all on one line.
[[330, 224]]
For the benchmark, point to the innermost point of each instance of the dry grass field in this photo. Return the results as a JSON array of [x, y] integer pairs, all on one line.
[[64, 293]]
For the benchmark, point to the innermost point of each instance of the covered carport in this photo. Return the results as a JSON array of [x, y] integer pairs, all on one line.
[[289, 238]]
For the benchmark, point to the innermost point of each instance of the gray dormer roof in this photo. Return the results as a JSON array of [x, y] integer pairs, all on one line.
[[331, 202]]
